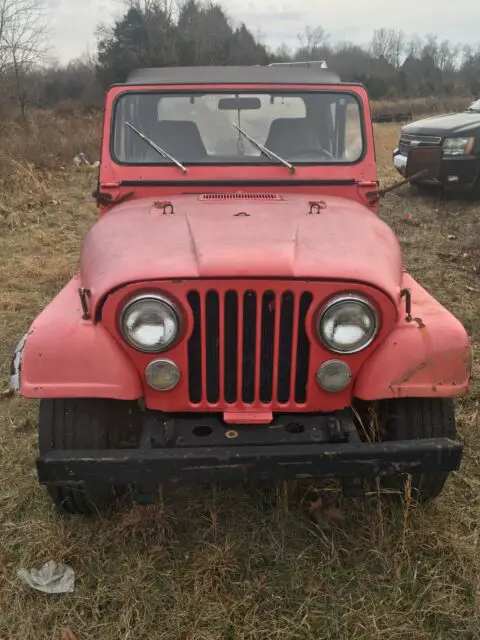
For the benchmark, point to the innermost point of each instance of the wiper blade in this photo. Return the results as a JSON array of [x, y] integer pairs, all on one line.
[[158, 149], [267, 152]]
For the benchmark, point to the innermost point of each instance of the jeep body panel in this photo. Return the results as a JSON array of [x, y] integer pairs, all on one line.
[[236, 238], [65, 356], [429, 356], [182, 398], [352, 180]]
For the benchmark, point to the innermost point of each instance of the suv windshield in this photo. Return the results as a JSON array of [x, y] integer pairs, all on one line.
[[314, 127]]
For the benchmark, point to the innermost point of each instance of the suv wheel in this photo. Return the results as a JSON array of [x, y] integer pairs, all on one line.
[[414, 419], [77, 424]]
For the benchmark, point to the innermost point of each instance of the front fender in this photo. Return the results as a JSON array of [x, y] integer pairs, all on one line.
[[64, 356], [427, 357]]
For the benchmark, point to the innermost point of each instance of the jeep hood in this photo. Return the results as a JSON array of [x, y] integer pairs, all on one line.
[[239, 238], [454, 123]]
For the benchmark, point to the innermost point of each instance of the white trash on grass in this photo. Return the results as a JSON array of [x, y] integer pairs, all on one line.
[[53, 577]]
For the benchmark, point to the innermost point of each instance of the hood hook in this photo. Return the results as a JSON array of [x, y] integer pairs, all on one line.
[[166, 207], [316, 207]]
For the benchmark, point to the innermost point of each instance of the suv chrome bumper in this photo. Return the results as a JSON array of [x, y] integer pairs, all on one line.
[[461, 171]]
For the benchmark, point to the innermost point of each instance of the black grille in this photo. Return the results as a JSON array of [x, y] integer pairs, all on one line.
[[408, 142], [252, 325]]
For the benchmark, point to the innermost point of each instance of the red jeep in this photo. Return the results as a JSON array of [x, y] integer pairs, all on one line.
[[241, 311]]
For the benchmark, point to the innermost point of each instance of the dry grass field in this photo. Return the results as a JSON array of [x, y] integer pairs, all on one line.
[[229, 564]]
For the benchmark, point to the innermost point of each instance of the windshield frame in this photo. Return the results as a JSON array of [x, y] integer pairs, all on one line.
[[244, 90]]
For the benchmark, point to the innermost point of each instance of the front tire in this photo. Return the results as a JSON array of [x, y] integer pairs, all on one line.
[[88, 424], [414, 419]]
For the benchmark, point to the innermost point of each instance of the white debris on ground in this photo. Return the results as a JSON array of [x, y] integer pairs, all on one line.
[[53, 577], [81, 160]]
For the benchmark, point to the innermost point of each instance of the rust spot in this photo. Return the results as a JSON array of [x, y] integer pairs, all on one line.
[[408, 375], [419, 322]]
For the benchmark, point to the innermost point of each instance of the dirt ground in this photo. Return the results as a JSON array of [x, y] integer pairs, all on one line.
[[209, 564]]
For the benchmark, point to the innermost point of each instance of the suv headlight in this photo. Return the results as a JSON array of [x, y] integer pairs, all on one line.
[[458, 146], [347, 324], [150, 323]]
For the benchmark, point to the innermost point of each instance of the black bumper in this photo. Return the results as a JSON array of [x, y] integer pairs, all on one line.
[[465, 169], [120, 467], [173, 449]]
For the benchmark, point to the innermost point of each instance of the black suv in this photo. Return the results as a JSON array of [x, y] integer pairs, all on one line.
[[458, 134]]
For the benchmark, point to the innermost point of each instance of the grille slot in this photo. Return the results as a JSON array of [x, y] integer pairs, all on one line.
[[267, 347], [303, 351], [231, 351], [253, 348], [212, 328], [249, 339], [286, 346], [195, 351]]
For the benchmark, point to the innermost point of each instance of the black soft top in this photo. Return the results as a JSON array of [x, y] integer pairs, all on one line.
[[233, 75]]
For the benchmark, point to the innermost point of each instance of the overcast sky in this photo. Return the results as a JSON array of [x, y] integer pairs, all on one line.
[[75, 21]]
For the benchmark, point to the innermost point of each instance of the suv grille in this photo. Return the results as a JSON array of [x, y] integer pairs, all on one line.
[[249, 347], [407, 141]]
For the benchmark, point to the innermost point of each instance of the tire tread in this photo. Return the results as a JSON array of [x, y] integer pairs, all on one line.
[[417, 418]]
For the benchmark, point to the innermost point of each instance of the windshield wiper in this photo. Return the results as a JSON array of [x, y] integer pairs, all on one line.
[[158, 149], [267, 152]]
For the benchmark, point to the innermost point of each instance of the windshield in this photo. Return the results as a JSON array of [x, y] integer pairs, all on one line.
[[475, 106], [314, 127]]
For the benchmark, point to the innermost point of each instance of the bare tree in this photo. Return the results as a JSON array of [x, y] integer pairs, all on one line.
[[311, 40], [389, 45], [23, 44], [414, 47], [448, 56]]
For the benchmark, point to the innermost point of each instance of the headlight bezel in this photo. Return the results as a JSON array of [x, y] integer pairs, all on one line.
[[168, 302], [456, 147], [338, 300]]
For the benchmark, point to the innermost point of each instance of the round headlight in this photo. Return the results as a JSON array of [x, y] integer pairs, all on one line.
[[348, 324], [150, 323]]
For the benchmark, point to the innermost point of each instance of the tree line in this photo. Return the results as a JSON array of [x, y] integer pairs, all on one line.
[[163, 32]]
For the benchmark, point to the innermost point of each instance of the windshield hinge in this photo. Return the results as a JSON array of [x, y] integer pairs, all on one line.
[[110, 185], [107, 200]]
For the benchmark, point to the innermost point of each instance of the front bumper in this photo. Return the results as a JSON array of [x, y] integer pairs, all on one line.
[[319, 446], [454, 172]]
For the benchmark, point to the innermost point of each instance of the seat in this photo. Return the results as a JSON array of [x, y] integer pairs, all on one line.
[[181, 139], [288, 136]]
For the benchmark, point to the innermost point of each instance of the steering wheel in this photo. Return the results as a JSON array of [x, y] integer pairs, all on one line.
[[311, 152]]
